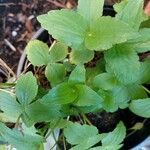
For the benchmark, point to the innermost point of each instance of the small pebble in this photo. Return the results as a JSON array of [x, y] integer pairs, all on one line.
[[14, 33]]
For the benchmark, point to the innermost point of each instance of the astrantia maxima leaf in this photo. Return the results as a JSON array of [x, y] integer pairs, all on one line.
[[141, 107], [90, 10], [26, 88], [37, 53], [77, 75], [65, 25], [124, 63], [9, 105], [55, 73], [58, 51], [106, 32], [19, 140], [63, 93], [131, 12]]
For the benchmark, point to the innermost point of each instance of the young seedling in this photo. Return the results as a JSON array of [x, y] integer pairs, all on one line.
[[116, 81]]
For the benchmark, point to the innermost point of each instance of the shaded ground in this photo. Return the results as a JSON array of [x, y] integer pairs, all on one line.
[[18, 24]]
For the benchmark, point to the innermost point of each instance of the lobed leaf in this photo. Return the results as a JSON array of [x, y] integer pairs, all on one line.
[[141, 107], [19, 140], [40, 112], [90, 10], [37, 53], [106, 32], [81, 55], [115, 137], [26, 88], [64, 26], [9, 105], [144, 76], [136, 92], [87, 97], [55, 73], [124, 63], [131, 12], [118, 97], [63, 93], [75, 133], [141, 44], [83, 136], [77, 75], [58, 51], [106, 81]]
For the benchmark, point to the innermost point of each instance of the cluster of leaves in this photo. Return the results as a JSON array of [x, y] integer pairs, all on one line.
[[117, 80]]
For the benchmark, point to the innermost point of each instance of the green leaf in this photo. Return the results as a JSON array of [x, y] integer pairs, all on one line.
[[87, 143], [108, 147], [20, 141], [144, 76], [81, 55], [106, 81], [141, 107], [90, 10], [58, 123], [115, 137], [40, 112], [120, 96], [9, 105], [37, 53], [116, 98], [94, 71], [106, 32], [64, 26], [131, 16], [109, 103], [77, 75], [58, 51], [63, 94], [142, 43], [75, 133], [136, 92], [84, 136], [26, 88], [55, 73], [3, 147], [124, 62], [118, 7], [87, 97]]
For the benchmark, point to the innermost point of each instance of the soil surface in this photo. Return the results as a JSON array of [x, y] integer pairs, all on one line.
[[18, 24]]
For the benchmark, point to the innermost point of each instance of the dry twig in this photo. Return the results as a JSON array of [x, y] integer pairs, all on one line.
[[7, 4], [6, 69], [57, 4], [10, 45]]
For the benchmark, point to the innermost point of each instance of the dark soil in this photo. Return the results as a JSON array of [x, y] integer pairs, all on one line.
[[18, 24]]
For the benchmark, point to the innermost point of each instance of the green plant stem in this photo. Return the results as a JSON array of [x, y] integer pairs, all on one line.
[[147, 90], [6, 85], [86, 119]]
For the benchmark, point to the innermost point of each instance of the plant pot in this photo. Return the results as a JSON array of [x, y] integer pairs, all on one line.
[[135, 141]]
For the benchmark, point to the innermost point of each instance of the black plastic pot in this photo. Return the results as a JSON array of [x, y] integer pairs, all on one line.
[[136, 138]]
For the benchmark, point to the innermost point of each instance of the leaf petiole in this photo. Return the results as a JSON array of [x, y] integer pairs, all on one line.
[[147, 90]]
